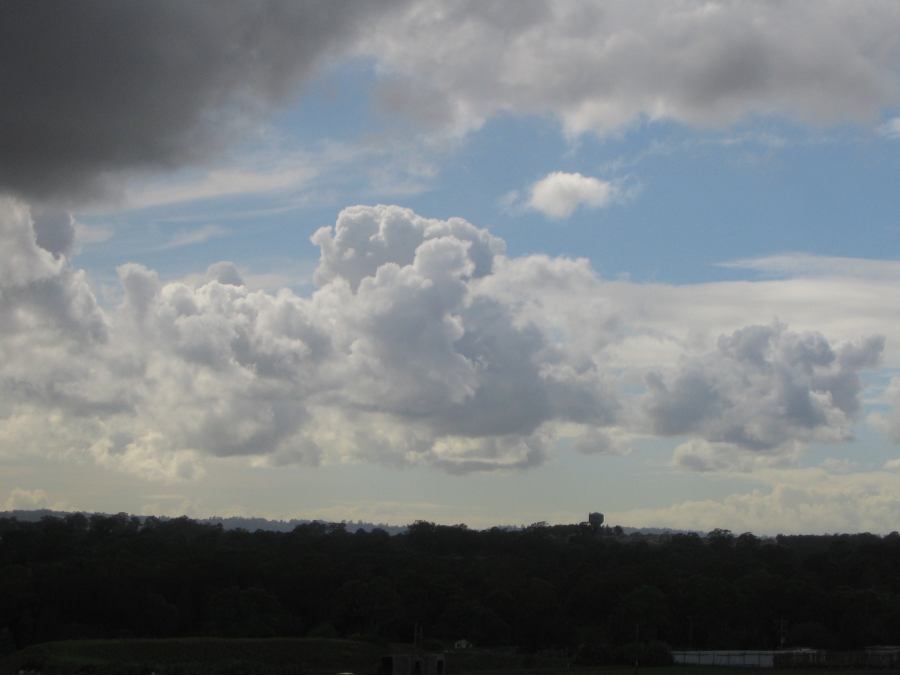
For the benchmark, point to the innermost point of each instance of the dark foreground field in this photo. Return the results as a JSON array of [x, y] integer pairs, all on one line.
[[265, 656], [195, 655], [292, 656]]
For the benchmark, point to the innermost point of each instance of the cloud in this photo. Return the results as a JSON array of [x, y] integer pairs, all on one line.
[[20, 499], [197, 236], [103, 93], [806, 265], [601, 67], [421, 343], [397, 357], [729, 458], [889, 421], [762, 389], [365, 238], [557, 195], [788, 501], [891, 128], [39, 291], [219, 183], [99, 90]]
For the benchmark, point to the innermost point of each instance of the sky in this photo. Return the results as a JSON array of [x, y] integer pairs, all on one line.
[[487, 262]]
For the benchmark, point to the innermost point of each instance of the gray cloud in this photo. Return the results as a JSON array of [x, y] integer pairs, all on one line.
[[762, 389], [94, 88], [101, 88], [602, 66], [54, 230]]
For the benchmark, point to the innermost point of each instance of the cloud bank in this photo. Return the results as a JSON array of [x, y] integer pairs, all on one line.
[[101, 88], [423, 343], [601, 67]]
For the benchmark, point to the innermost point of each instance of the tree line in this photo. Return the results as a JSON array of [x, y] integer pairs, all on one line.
[[565, 587]]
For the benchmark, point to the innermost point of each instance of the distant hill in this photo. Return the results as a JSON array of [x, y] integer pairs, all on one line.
[[253, 524], [227, 522]]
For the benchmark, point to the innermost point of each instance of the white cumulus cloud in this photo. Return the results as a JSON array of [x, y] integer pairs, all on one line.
[[422, 343], [557, 195]]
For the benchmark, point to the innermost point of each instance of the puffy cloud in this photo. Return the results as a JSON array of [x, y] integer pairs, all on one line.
[[421, 343], [762, 388], [225, 272], [601, 66], [364, 238], [401, 355], [558, 194], [100, 88], [39, 292], [54, 230]]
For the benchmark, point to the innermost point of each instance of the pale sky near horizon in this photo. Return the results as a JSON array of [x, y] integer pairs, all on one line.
[[480, 262]]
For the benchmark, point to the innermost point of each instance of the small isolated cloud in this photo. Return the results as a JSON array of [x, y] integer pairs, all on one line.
[[891, 128], [557, 195]]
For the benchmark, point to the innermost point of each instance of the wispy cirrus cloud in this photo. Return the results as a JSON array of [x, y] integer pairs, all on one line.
[[219, 183], [808, 265], [191, 237]]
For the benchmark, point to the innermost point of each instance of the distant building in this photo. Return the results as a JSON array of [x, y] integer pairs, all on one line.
[[885, 657], [595, 520]]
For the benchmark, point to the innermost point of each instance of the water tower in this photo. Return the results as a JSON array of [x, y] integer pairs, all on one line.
[[595, 520]]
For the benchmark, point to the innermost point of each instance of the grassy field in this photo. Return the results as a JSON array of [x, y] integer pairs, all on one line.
[[291, 656], [666, 670], [297, 656]]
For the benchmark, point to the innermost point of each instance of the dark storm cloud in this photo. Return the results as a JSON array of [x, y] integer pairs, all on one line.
[[93, 88]]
